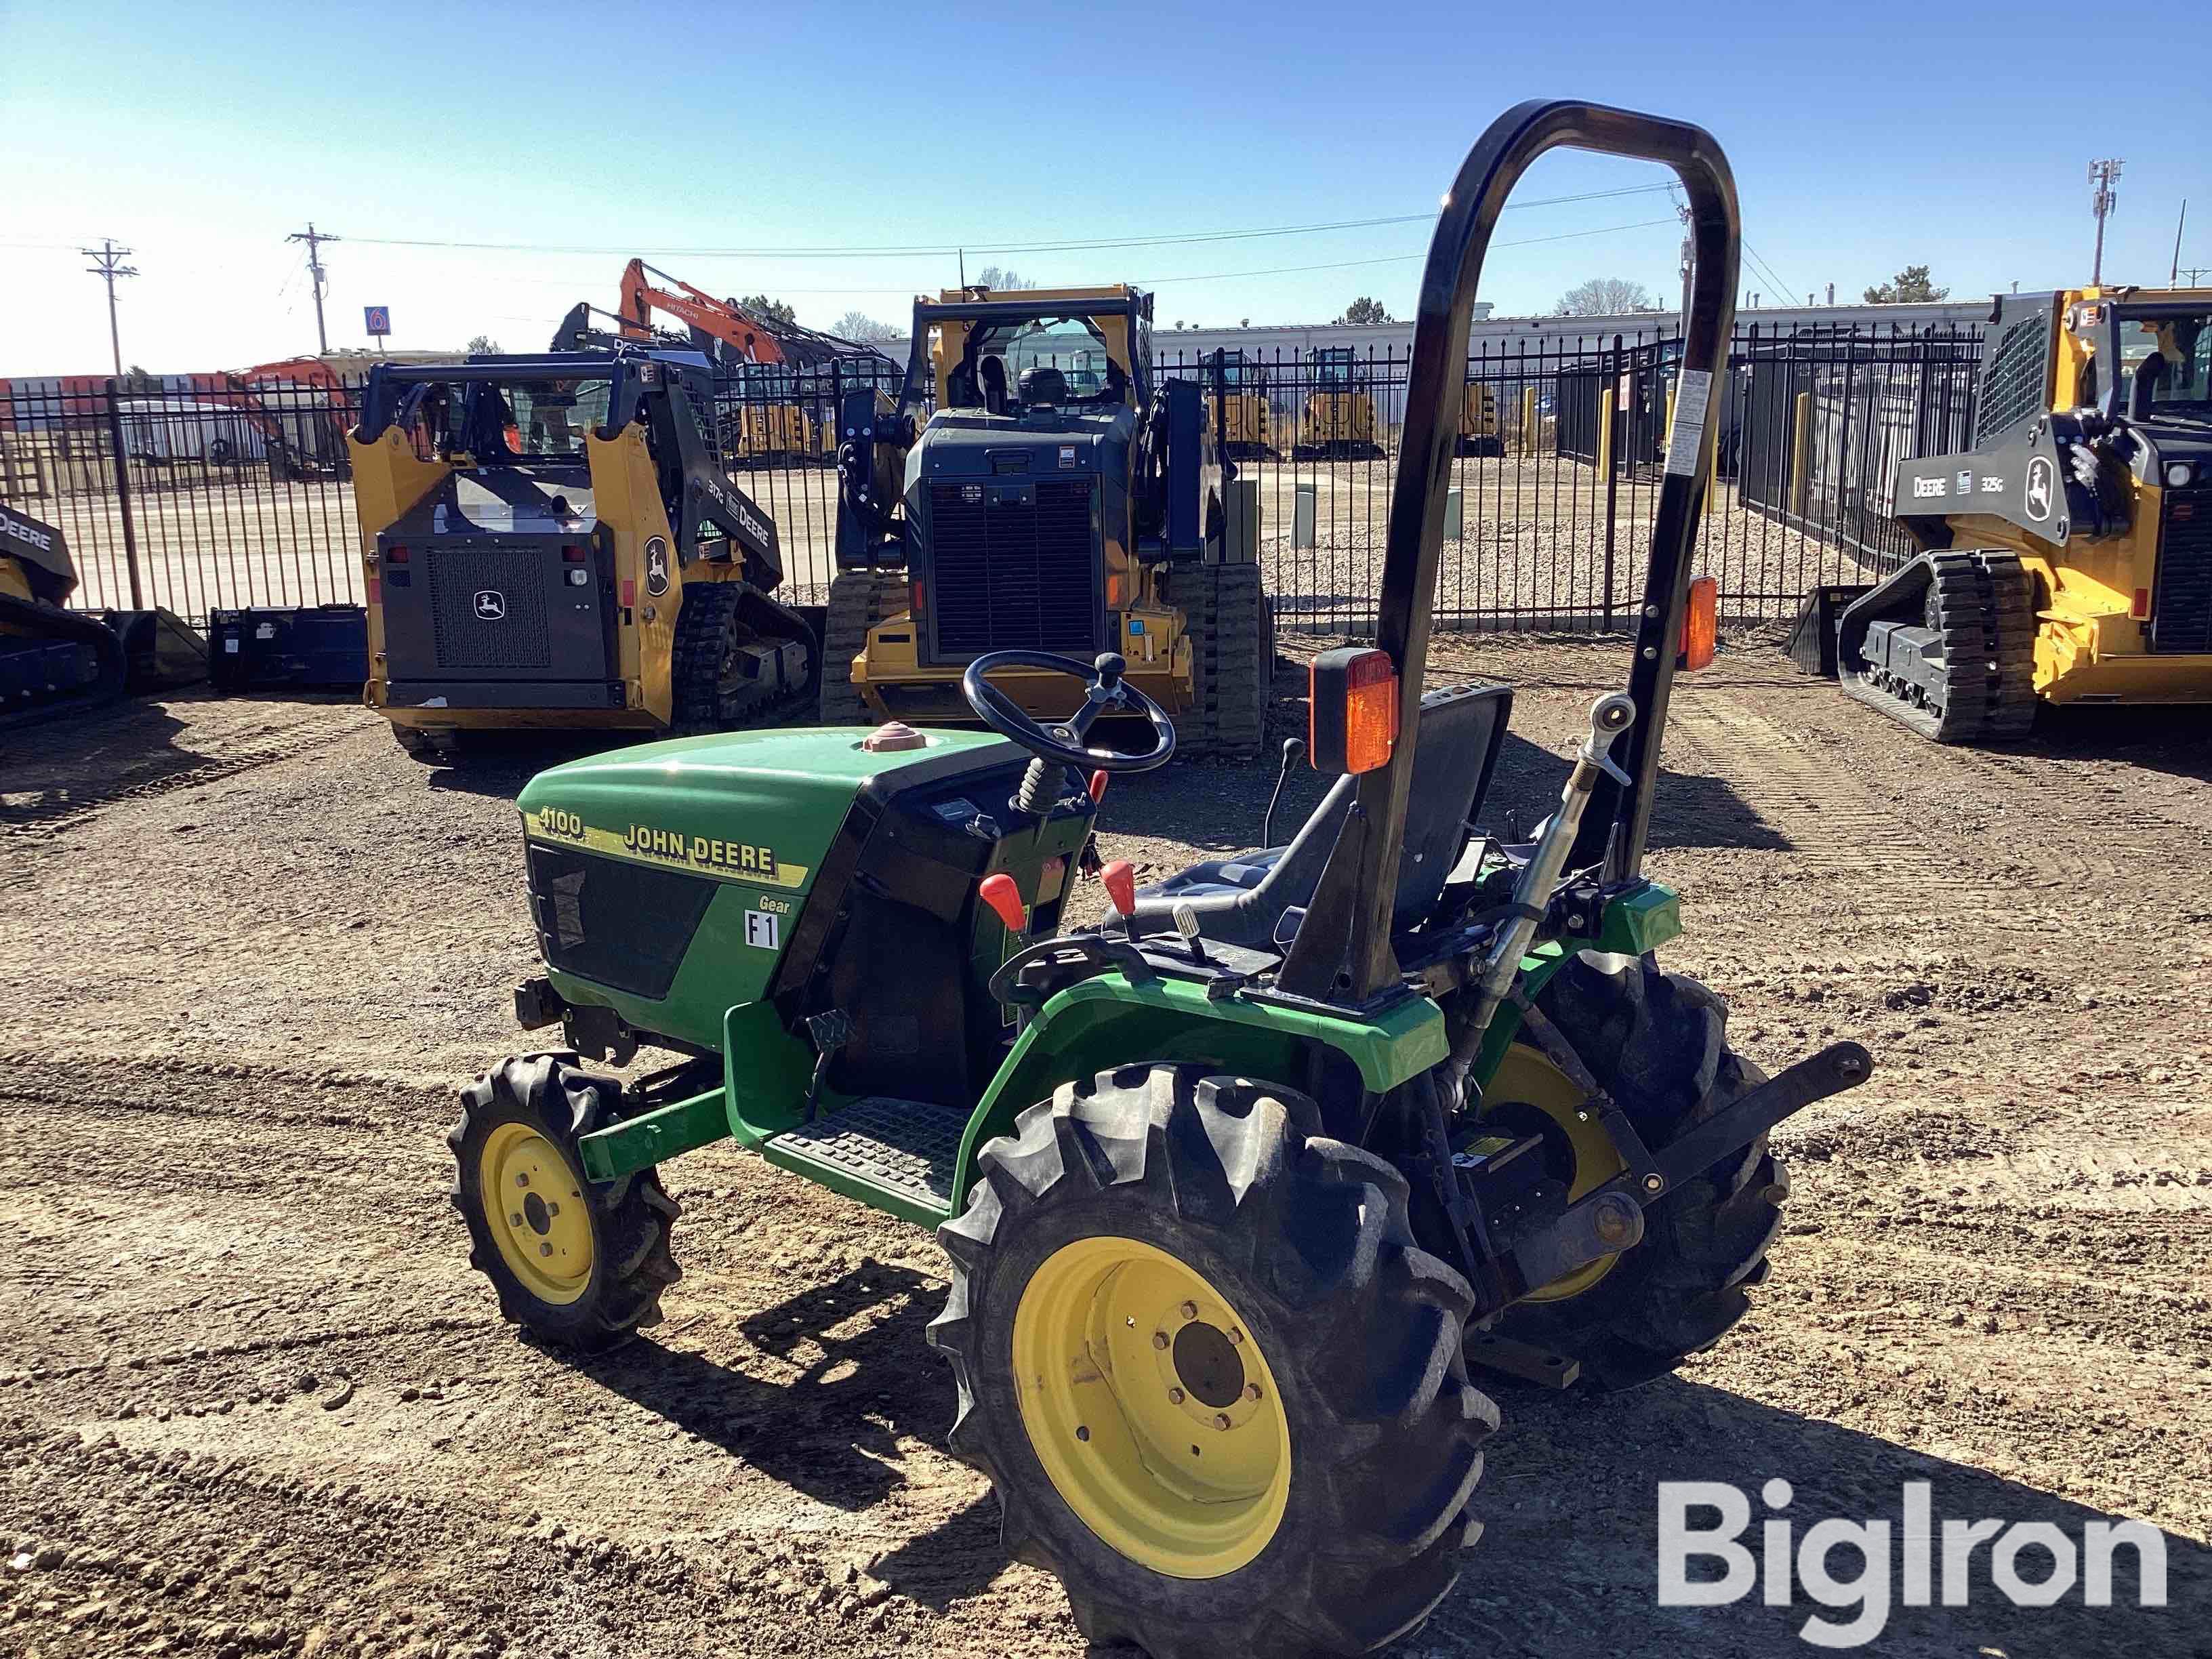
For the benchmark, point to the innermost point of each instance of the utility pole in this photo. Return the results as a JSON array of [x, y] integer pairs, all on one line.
[[315, 239], [2195, 271], [2173, 277], [106, 264], [1686, 261], [2104, 174]]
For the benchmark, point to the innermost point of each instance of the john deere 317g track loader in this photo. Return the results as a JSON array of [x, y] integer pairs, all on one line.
[[549, 542], [1236, 1185], [2069, 552], [1059, 498]]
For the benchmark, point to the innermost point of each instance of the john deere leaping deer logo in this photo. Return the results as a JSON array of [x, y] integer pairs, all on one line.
[[2041, 477], [656, 566], [491, 604]]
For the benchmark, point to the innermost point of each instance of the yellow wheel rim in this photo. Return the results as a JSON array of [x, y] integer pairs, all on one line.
[[534, 1205], [1151, 1407], [1527, 1077]]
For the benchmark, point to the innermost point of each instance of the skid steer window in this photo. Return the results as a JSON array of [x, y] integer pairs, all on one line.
[[2183, 347]]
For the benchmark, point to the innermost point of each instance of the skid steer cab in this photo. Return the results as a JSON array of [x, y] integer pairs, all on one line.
[[1238, 1182], [1036, 487], [549, 543]]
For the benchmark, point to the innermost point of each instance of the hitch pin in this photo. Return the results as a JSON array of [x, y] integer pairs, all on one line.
[[1609, 716]]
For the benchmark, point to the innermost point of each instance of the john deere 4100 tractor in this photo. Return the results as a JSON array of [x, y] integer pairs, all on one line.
[[1236, 1185]]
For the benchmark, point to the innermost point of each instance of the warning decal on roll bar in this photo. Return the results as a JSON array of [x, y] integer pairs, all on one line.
[[1692, 393]]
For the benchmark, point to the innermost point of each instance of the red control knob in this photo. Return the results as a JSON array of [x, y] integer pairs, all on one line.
[[1120, 884], [1098, 786], [1003, 896]]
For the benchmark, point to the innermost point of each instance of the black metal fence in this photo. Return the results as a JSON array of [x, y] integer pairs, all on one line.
[[199, 491]]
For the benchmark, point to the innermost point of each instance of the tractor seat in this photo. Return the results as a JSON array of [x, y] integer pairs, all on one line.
[[1244, 901], [1042, 386]]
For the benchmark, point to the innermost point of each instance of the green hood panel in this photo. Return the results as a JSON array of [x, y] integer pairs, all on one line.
[[754, 813]]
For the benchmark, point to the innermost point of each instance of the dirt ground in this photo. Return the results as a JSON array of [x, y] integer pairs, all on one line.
[[254, 1402]]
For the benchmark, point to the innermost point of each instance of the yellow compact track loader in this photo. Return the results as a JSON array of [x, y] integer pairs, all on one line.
[[1338, 422], [1240, 394], [49, 658], [1059, 499], [548, 543], [2069, 554]]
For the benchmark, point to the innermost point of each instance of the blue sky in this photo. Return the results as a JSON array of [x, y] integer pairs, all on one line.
[[1863, 138]]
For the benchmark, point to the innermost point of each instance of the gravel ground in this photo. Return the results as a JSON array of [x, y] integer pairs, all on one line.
[[253, 1401]]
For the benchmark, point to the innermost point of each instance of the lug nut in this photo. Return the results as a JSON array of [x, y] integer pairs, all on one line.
[[1236, 1335], [545, 1249], [1159, 1339], [1221, 1420], [522, 1181], [1190, 1310], [552, 1209], [514, 1219], [1175, 1396], [1251, 1390]]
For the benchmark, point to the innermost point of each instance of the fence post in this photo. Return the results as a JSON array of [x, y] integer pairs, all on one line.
[[1801, 444], [123, 493], [1606, 412]]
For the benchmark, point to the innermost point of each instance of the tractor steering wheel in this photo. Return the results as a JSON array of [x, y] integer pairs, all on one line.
[[1104, 690]]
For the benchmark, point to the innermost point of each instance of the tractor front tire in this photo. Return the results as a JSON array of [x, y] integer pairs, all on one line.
[[576, 1262], [1217, 1386], [1657, 1042]]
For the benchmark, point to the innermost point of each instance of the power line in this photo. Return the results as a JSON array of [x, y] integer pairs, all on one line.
[[1393, 259], [1787, 291], [929, 251], [315, 239], [106, 264]]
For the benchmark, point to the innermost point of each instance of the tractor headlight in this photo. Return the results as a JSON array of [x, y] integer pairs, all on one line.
[[2180, 475]]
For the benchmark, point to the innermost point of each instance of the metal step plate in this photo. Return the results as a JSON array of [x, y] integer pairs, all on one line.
[[904, 1149]]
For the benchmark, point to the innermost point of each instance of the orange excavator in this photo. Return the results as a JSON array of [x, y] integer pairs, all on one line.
[[778, 420]]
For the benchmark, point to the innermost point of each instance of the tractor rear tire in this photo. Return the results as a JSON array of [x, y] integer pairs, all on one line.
[[576, 1262], [1657, 1043], [1316, 1365], [1232, 627], [859, 599]]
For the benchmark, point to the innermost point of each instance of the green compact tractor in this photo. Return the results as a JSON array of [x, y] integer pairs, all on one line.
[[1237, 1186]]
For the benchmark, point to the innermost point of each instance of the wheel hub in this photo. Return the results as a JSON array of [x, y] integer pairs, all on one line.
[[534, 1205], [1151, 1407]]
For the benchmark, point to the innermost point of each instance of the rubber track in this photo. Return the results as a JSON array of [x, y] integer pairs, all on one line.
[[859, 599], [1986, 613], [1227, 620], [703, 626]]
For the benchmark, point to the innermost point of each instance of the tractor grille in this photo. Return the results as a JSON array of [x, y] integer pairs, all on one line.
[[2181, 605], [1014, 573], [464, 640]]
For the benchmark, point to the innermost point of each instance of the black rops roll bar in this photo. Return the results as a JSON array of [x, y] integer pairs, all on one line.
[[1342, 953]]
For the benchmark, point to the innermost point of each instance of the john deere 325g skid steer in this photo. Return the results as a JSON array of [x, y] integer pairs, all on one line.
[[1236, 1185]]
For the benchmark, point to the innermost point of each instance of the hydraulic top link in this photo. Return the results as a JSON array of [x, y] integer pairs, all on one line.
[[1609, 716]]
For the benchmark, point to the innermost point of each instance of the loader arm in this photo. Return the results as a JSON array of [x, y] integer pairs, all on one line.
[[1342, 953]]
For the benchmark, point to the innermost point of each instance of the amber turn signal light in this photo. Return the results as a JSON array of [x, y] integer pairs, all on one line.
[[1701, 624], [1351, 719]]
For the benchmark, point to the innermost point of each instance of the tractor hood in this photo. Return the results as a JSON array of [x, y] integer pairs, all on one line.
[[758, 808]]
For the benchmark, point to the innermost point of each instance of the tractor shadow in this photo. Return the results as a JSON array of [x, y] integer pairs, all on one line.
[[498, 765], [847, 1373], [865, 1380], [1568, 1561]]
